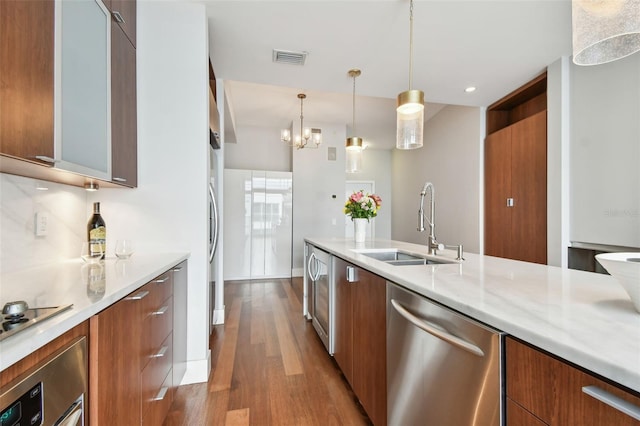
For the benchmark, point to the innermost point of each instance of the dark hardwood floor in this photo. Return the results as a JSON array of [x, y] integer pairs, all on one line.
[[268, 366]]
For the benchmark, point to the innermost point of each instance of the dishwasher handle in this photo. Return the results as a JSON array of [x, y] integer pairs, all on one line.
[[431, 329]]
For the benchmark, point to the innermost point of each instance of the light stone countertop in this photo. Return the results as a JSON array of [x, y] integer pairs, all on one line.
[[582, 317], [66, 283]]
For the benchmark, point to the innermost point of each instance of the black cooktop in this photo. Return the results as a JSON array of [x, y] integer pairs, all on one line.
[[12, 324]]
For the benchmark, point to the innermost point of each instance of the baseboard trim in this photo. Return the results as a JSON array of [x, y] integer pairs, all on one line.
[[218, 316], [197, 370]]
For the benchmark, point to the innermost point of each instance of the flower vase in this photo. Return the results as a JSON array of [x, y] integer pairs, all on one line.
[[360, 229]]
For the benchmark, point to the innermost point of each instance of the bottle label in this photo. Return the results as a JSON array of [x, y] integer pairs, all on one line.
[[98, 240]]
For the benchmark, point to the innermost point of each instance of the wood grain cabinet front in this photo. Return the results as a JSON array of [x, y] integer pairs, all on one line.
[[542, 389], [27, 70], [360, 339], [515, 164], [124, 130], [131, 358], [45, 119]]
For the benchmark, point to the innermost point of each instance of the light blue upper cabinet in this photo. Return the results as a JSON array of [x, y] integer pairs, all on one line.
[[83, 87]]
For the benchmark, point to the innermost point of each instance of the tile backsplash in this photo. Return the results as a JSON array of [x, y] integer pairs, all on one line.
[[20, 200]]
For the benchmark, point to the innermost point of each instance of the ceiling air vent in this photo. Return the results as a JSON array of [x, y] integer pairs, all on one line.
[[289, 57]]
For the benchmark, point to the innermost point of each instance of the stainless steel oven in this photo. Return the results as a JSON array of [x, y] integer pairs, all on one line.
[[320, 291], [51, 393]]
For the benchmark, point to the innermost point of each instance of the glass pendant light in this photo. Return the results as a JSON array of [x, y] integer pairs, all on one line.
[[410, 111], [604, 30], [353, 145]]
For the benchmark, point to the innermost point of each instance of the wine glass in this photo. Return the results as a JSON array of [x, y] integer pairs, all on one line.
[[124, 249], [91, 254]]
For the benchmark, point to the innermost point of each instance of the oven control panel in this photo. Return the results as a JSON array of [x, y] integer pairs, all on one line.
[[26, 410]]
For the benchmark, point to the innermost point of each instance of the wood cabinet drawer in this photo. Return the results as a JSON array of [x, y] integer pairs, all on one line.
[[552, 389], [154, 375], [157, 325], [160, 288], [159, 407]]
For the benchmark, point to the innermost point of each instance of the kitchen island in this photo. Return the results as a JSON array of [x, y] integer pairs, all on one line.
[[581, 317], [89, 288]]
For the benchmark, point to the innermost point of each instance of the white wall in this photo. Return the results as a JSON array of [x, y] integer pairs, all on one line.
[[169, 209], [20, 200], [376, 166], [558, 141], [318, 191], [257, 148], [451, 159], [605, 153]]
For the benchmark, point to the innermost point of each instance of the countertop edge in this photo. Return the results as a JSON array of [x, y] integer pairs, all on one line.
[[15, 348], [595, 361]]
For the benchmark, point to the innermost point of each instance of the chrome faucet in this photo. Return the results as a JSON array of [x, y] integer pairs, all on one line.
[[433, 244]]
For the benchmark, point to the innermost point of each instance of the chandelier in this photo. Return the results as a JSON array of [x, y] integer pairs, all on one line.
[[300, 141], [410, 111]]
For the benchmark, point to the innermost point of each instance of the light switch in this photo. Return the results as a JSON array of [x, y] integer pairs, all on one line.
[[331, 156]]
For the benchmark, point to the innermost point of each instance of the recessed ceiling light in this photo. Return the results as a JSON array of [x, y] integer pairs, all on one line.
[[470, 89]]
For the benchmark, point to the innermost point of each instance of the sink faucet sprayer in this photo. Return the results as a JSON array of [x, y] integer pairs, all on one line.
[[433, 243]]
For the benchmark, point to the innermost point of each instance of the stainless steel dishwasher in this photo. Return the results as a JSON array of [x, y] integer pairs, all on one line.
[[321, 294], [442, 367]]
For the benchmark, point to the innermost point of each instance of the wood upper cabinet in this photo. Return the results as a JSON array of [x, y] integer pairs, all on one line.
[[27, 87], [27, 79], [516, 175], [360, 337], [542, 389], [124, 14], [124, 139]]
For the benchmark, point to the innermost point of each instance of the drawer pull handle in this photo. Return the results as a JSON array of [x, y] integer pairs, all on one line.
[[163, 280], [436, 330], [177, 269], [613, 401], [139, 296], [160, 396], [118, 17], [160, 353], [119, 179], [46, 159], [351, 274], [161, 311]]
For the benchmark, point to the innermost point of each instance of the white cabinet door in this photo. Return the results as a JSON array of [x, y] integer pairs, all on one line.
[[237, 224], [83, 90], [278, 224], [257, 224]]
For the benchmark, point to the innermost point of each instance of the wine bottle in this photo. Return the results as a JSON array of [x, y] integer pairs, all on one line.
[[97, 232]]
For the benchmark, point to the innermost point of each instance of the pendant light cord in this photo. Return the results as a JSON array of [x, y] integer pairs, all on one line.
[[410, 44], [353, 124]]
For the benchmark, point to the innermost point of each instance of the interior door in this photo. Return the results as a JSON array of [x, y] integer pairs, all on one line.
[[497, 189], [529, 187]]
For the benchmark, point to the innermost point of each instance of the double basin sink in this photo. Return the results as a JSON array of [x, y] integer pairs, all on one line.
[[399, 257]]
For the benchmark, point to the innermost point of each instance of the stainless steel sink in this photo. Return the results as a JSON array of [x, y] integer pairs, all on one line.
[[402, 258]]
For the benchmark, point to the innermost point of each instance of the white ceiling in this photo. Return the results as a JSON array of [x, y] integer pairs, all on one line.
[[493, 45]]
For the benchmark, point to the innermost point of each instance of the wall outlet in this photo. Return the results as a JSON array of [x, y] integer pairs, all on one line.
[[42, 224]]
